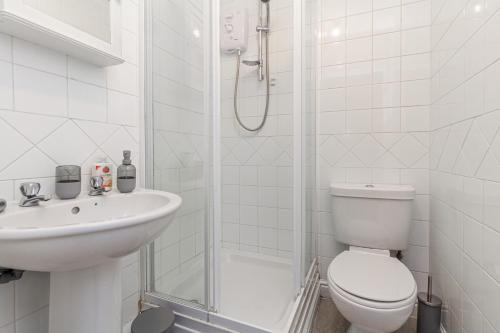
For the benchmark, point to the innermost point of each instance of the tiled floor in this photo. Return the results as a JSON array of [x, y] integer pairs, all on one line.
[[329, 320]]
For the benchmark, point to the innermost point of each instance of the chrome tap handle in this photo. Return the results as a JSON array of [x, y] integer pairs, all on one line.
[[96, 183], [30, 190], [30, 195]]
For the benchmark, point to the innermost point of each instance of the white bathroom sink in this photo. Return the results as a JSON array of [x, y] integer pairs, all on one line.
[[85, 232], [80, 242]]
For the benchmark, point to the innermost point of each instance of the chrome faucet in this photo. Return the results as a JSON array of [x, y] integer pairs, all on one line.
[[96, 186], [30, 196], [3, 205]]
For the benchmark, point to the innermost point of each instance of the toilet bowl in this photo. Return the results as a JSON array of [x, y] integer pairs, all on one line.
[[376, 293]]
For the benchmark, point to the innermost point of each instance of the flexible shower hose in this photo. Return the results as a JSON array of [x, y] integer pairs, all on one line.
[[236, 86]]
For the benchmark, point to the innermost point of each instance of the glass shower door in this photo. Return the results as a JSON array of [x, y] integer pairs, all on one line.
[[178, 143], [310, 49]]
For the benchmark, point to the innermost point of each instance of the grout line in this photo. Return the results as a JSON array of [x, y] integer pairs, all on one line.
[[444, 33], [483, 24], [67, 88], [401, 68], [32, 313], [15, 284], [12, 71]]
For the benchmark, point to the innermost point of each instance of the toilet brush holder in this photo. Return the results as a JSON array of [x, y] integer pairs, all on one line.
[[154, 320], [429, 311]]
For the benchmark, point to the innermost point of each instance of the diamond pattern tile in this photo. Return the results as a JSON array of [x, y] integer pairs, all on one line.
[[68, 145], [164, 157], [388, 140], [350, 160], [332, 150], [14, 144], [438, 142], [377, 150], [489, 125], [495, 147], [350, 140], [490, 168], [368, 150], [34, 127], [243, 151], [473, 150], [453, 144], [33, 164], [182, 147], [388, 161], [409, 150], [270, 151], [98, 132], [121, 140], [469, 148]]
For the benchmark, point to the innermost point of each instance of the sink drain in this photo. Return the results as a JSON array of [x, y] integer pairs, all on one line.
[[75, 210]]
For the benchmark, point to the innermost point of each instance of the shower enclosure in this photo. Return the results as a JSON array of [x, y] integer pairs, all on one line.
[[241, 253]]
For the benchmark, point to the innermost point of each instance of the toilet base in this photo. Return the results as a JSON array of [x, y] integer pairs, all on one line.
[[356, 329]]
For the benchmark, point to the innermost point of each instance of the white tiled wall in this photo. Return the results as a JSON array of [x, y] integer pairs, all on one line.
[[180, 143], [373, 104], [465, 172], [58, 110], [257, 168]]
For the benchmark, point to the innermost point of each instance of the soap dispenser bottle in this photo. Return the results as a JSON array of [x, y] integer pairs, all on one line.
[[126, 176]]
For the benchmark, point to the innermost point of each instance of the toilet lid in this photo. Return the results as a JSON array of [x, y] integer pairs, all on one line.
[[372, 276]]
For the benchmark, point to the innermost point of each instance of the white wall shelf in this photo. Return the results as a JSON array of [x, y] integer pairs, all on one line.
[[90, 31]]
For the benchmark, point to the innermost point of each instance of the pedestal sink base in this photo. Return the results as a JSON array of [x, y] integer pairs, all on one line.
[[87, 300]]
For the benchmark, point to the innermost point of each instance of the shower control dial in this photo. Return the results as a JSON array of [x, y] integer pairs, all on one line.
[[229, 27]]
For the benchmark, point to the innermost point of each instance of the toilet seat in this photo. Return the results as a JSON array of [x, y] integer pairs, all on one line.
[[362, 302], [372, 279]]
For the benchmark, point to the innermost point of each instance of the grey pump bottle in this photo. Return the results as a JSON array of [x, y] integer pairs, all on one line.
[[126, 176]]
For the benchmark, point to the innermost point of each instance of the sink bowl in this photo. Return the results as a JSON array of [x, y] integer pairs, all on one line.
[[80, 243], [69, 235]]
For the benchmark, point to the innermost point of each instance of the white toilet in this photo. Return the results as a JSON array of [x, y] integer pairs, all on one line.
[[374, 291]]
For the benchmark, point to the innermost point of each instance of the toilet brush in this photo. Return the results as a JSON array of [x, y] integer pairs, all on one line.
[[429, 288], [429, 311]]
